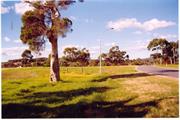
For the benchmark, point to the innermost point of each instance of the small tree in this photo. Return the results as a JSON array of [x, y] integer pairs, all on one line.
[[26, 55], [44, 23]]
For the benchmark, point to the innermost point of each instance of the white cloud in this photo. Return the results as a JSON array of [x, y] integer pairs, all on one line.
[[22, 7], [12, 53], [123, 24], [7, 39], [15, 53], [1, 2], [5, 9], [149, 25], [155, 24], [169, 37]]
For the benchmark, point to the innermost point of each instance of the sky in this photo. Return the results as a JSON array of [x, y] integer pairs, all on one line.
[[134, 23]]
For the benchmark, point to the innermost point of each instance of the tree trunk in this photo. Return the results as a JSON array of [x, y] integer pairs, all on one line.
[[54, 64], [170, 58], [174, 57], [160, 61]]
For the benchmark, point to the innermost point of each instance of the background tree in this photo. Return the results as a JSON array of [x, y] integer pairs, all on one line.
[[83, 57], [47, 62], [70, 54], [105, 59], [175, 52], [163, 45], [44, 23], [157, 58], [64, 62], [167, 53], [93, 62], [139, 61], [26, 55], [76, 57], [114, 56], [127, 59]]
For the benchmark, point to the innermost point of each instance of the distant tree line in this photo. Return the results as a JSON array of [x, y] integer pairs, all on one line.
[[81, 57], [163, 52]]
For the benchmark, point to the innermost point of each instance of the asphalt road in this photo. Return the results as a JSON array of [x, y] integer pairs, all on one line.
[[159, 71]]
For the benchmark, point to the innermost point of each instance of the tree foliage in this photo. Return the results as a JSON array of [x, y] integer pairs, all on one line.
[[157, 43], [168, 49], [75, 57], [115, 56], [27, 54], [44, 23]]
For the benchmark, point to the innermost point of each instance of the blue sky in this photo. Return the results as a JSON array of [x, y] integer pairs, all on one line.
[[135, 23]]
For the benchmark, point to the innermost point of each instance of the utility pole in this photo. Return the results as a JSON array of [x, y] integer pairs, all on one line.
[[100, 66], [100, 59]]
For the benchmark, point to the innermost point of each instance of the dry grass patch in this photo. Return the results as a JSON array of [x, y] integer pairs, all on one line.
[[144, 85]]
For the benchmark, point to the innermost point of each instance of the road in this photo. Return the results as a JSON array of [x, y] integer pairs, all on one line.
[[159, 71]]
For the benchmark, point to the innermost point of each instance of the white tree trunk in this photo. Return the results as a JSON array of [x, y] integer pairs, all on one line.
[[160, 61], [54, 64], [170, 58]]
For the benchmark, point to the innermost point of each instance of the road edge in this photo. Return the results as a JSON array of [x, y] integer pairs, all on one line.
[[136, 68]]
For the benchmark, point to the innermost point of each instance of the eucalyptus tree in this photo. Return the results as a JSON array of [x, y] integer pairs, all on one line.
[[175, 47], [115, 56], [45, 23], [75, 56], [159, 44]]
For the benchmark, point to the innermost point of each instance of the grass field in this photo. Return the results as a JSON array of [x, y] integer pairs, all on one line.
[[117, 92], [173, 66]]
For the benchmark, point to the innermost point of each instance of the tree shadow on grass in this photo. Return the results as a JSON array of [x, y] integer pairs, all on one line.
[[132, 75], [61, 96], [101, 109], [168, 71]]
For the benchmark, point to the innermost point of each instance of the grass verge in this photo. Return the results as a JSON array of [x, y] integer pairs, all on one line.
[[118, 92]]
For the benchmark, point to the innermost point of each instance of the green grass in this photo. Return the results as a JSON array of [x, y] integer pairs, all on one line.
[[117, 92], [173, 66]]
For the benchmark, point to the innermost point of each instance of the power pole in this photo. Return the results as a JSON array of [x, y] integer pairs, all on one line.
[[100, 66]]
